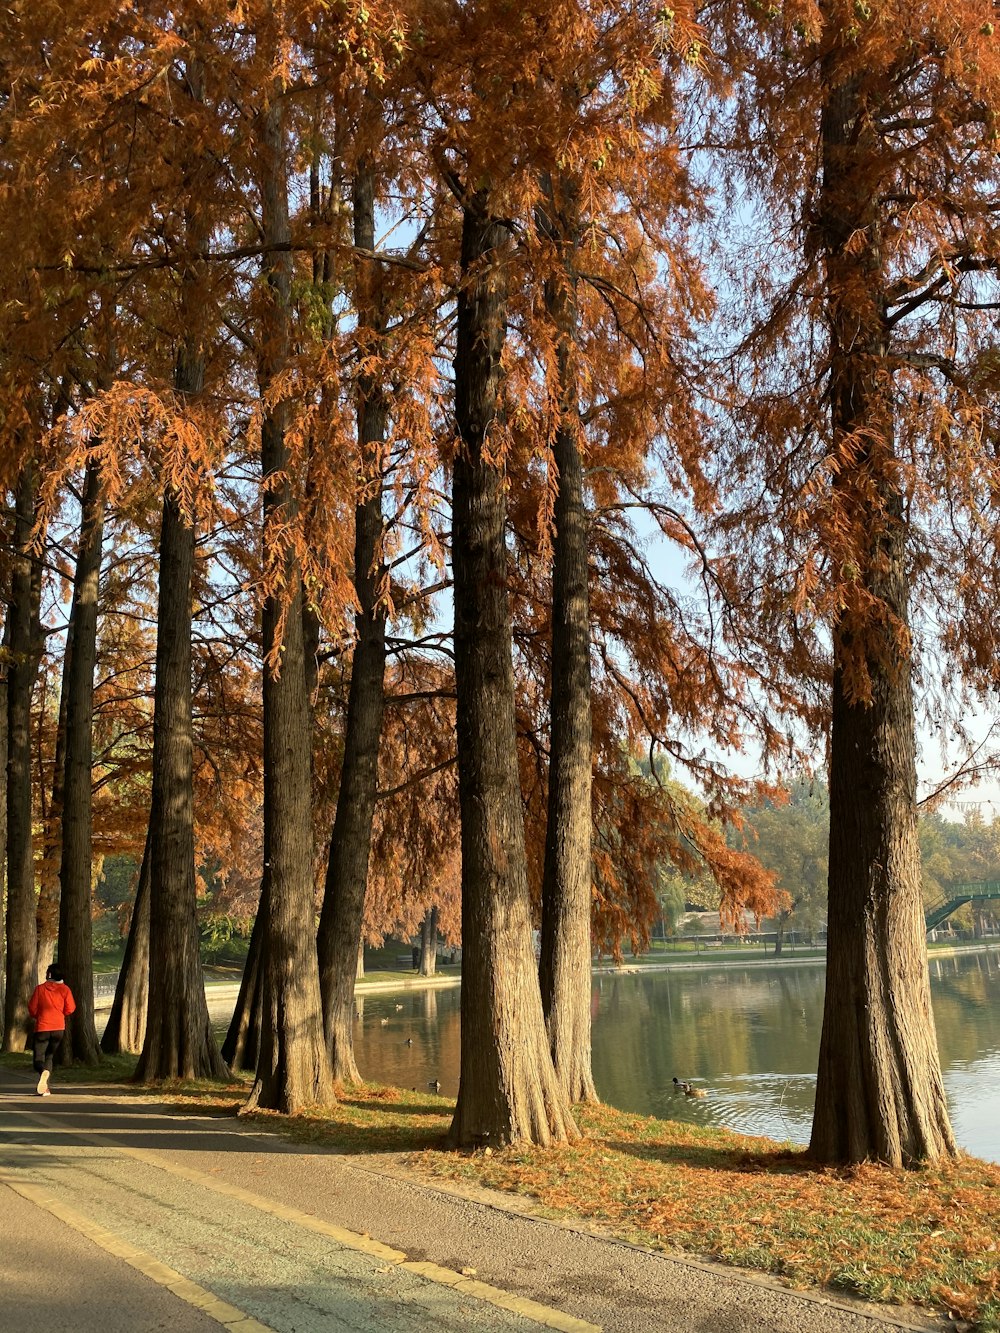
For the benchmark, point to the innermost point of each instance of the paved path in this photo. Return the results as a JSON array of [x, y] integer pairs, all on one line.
[[120, 1215]]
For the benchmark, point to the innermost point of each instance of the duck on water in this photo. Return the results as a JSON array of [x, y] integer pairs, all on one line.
[[687, 1089]]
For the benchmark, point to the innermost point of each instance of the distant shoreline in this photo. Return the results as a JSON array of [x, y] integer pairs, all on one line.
[[222, 990], [817, 959]]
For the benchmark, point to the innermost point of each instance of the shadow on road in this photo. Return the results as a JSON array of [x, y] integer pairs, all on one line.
[[208, 1120]]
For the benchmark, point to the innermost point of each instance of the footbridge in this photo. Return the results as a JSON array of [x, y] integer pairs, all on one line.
[[957, 896]]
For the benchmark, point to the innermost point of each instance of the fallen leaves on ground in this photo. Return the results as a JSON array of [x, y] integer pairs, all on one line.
[[926, 1236]]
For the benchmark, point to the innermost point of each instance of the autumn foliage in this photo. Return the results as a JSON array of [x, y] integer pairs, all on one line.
[[703, 302]]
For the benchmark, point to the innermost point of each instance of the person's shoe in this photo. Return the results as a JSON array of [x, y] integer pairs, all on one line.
[[43, 1084]]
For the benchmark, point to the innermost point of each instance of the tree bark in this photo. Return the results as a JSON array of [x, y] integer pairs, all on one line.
[[126, 1027], [22, 670], [508, 1089], [879, 1092], [293, 1070], [47, 909], [779, 937], [350, 842], [3, 816], [428, 943], [564, 964], [76, 955], [241, 1048], [179, 1041]]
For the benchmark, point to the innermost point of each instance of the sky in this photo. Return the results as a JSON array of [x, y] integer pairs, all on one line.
[[937, 762]]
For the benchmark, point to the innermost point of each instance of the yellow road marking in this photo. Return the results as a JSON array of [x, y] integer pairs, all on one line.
[[237, 1321], [545, 1315]]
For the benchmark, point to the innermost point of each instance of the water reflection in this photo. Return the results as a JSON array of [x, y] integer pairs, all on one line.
[[418, 1045], [748, 1035]]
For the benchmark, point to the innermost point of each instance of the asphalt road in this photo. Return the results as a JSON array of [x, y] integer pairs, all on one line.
[[120, 1214]]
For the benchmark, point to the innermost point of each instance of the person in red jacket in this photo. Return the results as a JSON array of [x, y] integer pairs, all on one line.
[[50, 1006]]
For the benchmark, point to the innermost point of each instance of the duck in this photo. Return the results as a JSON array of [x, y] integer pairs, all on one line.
[[687, 1089], [408, 1041], [399, 1008], [384, 1022], [435, 1085]]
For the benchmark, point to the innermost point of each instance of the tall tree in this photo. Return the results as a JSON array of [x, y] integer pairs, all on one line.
[[25, 652], [879, 1090], [3, 816], [347, 871], [179, 1040], [76, 861], [508, 1091], [866, 370], [566, 880], [293, 1068], [47, 910]]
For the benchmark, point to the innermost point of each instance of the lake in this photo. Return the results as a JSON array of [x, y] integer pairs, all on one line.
[[748, 1035]]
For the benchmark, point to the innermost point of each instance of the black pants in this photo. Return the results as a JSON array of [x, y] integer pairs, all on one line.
[[45, 1046]]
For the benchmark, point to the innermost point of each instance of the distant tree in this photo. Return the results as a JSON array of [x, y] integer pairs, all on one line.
[[792, 840], [125, 1029], [671, 893], [654, 834], [956, 852], [116, 882]]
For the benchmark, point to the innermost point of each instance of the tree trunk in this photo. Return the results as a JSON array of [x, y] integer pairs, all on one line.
[[508, 1089], [179, 1040], [564, 964], [3, 816], [779, 937], [428, 943], [22, 670], [76, 956], [350, 843], [47, 909], [241, 1049], [293, 1070], [126, 1027], [879, 1092]]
